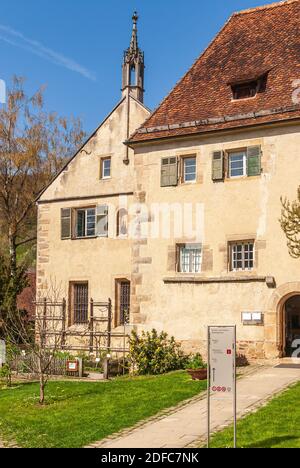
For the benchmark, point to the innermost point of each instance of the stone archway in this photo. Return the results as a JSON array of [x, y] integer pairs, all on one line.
[[274, 319]]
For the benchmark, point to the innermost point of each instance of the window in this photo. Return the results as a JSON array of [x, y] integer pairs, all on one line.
[[106, 168], [189, 169], [238, 164], [169, 172], [79, 303], [245, 90], [242, 256], [86, 223], [132, 77], [245, 162], [190, 257], [83, 223], [123, 302]]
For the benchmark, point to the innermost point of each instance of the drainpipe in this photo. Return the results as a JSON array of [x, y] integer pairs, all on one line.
[[126, 159]]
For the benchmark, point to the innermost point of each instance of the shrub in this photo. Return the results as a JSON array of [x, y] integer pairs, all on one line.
[[195, 362], [154, 353], [5, 373]]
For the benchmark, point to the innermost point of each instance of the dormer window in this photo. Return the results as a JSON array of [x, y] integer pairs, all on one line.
[[245, 90], [248, 87]]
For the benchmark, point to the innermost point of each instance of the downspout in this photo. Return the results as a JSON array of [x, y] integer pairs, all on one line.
[[126, 159]]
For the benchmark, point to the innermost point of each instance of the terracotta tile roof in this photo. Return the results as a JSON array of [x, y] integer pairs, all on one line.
[[252, 43]]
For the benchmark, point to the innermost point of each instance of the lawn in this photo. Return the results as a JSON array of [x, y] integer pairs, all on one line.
[[277, 425], [79, 413]]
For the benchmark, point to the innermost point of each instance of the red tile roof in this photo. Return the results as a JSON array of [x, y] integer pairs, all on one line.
[[252, 43]]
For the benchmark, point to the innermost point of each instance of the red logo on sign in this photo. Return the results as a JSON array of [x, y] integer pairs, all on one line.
[[214, 389], [229, 352], [224, 389], [219, 389]]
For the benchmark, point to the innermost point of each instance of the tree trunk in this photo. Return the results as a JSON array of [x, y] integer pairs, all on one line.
[[42, 389], [12, 253]]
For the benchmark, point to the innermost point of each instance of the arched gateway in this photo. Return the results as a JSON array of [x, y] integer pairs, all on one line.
[[282, 325]]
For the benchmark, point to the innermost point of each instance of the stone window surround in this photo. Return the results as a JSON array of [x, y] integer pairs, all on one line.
[[102, 158]]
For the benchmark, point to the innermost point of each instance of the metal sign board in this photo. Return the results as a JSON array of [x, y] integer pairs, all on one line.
[[221, 369], [2, 352], [222, 360]]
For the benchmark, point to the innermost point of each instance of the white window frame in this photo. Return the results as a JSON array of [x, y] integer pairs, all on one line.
[[245, 251], [86, 216], [184, 174], [103, 169], [233, 154], [194, 254]]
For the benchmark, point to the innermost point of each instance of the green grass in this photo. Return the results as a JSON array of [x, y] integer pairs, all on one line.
[[277, 425], [79, 413]]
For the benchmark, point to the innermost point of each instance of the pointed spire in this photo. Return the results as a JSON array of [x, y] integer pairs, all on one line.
[[134, 38], [133, 65]]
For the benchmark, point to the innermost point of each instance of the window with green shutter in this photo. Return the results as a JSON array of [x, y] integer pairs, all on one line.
[[169, 172], [253, 161], [66, 223], [217, 166]]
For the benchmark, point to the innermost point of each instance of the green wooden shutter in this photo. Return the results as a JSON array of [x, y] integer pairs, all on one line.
[[102, 221], [253, 161], [66, 223], [169, 172], [218, 166]]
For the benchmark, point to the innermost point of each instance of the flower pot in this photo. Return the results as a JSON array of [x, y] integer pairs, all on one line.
[[198, 374]]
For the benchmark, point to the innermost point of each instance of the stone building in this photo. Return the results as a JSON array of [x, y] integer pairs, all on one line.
[[217, 154]]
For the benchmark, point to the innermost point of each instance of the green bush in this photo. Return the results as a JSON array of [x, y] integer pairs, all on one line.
[[5, 373], [154, 353], [196, 362]]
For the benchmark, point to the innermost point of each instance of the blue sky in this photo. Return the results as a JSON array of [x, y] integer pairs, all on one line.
[[75, 47]]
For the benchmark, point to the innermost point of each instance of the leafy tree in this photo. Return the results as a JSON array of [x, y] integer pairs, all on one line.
[[10, 288], [290, 223], [34, 145]]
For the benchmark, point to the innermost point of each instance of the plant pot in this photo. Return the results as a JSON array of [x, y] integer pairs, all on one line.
[[198, 374]]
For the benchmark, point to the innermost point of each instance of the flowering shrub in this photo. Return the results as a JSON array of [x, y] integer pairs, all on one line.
[[154, 353]]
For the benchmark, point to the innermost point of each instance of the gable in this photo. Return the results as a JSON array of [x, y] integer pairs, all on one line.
[[81, 176]]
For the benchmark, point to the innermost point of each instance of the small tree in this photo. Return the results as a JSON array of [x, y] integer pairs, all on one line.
[[290, 223], [40, 338]]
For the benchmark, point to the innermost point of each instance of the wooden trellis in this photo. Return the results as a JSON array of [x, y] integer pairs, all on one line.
[[95, 335]]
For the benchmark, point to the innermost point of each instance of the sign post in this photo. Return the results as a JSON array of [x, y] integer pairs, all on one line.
[[221, 383]]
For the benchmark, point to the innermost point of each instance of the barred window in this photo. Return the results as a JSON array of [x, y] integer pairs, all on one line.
[[79, 303], [190, 257], [242, 256]]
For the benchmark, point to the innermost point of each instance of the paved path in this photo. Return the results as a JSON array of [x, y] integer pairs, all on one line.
[[187, 426]]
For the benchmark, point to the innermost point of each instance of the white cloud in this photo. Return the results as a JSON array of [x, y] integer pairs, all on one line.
[[17, 39]]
